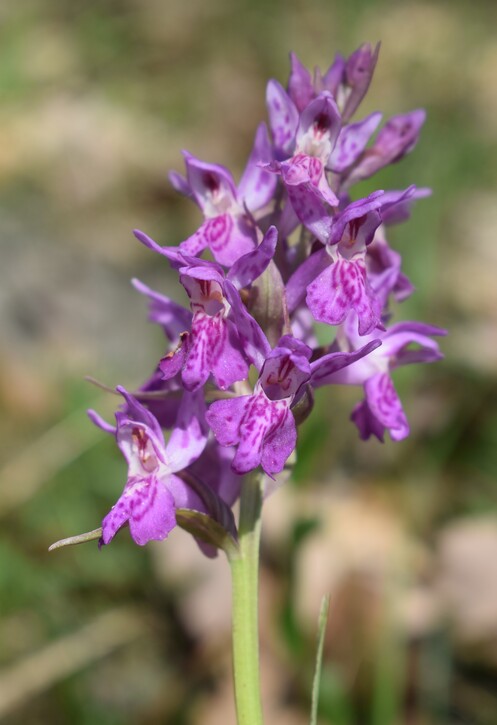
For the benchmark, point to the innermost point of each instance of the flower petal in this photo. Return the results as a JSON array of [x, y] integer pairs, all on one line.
[[330, 364], [148, 507], [279, 445], [342, 287], [385, 405], [189, 435], [256, 187], [249, 267], [255, 344], [351, 142], [300, 87], [225, 416], [173, 318], [283, 117]]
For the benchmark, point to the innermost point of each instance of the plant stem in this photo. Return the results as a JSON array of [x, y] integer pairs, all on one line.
[[245, 577]]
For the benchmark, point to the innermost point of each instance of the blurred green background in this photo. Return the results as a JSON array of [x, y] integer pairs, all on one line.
[[97, 100]]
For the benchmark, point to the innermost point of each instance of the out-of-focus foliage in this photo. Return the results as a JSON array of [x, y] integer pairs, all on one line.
[[97, 100]]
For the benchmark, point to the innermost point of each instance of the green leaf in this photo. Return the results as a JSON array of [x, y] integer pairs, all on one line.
[[207, 529], [322, 622], [78, 539]]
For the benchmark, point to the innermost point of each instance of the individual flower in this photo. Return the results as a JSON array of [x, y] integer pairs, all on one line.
[[397, 138], [153, 492], [228, 230], [261, 424], [222, 334], [382, 409], [310, 139], [335, 278]]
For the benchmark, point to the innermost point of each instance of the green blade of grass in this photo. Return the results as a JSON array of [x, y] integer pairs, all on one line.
[[322, 622]]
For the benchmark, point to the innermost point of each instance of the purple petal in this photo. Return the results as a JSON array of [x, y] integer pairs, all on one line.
[[164, 408], [366, 422], [249, 267], [334, 76], [343, 287], [148, 507], [319, 122], [355, 214], [173, 318], [189, 435], [303, 276], [172, 253], [214, 469], [212, 185], [400, 336], [278, 446], [255, 344], [261, 420], [230, 365], [197, 270], [288, 221], [283, 117], [359, 72], [385, 406], [257, 186], [308, 192], [225, 417], [300, 87], [351, 142], [132, 416], [286, 369], [197, 242], [97, 420], [180, 184], [330, 364], [303, 326], [171, 364], [205, 344], [397, 205], [396, 139]]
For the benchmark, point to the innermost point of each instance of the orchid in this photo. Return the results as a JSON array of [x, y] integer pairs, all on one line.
[[285, 249], [228, 230], [153, 491]]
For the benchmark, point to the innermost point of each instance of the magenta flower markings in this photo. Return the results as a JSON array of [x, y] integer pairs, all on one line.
[[286, 247]]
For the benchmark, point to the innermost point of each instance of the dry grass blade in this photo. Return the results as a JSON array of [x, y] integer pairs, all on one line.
[[39, 461], [41, 670]]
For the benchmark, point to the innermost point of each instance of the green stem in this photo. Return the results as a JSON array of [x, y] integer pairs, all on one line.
[[245, 576]]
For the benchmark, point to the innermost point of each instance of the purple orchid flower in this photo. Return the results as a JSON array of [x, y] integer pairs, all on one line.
[[223, 337], [261, 424], [310, 139], [395, 140], [335, 277], [347, 80], [153, 492], [382, 409], [228, 230]]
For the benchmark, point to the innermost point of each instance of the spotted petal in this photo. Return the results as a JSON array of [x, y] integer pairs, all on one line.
[[385, 407], [343, 287], [283, 118], [149, 508]]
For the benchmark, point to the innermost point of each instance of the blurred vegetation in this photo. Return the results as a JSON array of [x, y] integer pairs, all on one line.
[[98, 99]]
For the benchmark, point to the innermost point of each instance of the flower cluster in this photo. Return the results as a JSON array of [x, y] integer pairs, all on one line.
[[283, 249]]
